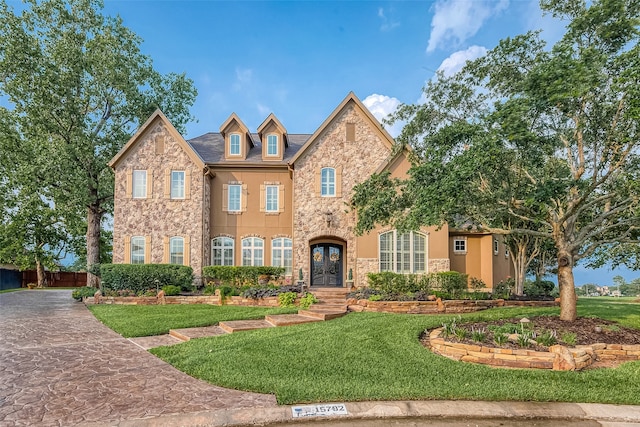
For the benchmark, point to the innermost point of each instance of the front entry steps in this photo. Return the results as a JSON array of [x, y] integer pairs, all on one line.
[[331, 305]]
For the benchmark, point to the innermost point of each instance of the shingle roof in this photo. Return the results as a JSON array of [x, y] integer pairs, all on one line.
[[210, 147]]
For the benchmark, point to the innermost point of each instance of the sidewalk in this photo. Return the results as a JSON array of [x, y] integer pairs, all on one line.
[[59, 366]]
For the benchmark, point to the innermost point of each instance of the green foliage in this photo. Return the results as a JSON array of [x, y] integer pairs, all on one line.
[[258, 292], [241, 275], [171, 290], [478, 335], [529, 140], [76, 83], [287, 299], [539, 288], [569, 338], [547, 338], [389, 283], [500, 338], [145, 276], [504, 288], [85, 291], [307, 300], [375, 298]]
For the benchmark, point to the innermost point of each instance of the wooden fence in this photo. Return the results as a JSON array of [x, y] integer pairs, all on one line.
[[59, 279]]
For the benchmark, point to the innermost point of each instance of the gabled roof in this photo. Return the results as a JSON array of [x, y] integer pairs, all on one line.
[[272, 118], [210, 147], [234, 118], [351, 98], [151, 121]]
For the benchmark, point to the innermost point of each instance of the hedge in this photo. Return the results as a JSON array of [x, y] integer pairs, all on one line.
[[451, 282], [238, 276], [140, 277]]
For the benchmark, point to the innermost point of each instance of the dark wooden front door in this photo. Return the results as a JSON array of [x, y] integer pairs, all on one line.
[[326, 264]]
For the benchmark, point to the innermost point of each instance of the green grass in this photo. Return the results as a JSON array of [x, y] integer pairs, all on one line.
[[11, 290], [377, 356], [146, 320]]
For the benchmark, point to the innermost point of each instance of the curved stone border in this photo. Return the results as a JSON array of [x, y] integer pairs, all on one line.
[[558, 358], [440, 306]]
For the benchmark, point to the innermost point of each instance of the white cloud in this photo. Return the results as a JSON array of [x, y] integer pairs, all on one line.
[[244, 76], [456, 60], [454, 21], [388, 24], [263, 109], [381, 106]]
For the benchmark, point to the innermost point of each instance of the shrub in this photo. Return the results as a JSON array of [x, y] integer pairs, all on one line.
[[452, 282], [170, 290], [257, 292], [504, 288], [548, 338], [500, 338], [307, 300], [539, 289], [287, 299], [141, 277], [375, 298], [478, 335], [240, 275], [389, 283], [85, 291]]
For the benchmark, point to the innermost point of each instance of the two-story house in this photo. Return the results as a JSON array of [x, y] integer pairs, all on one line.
[[236, 197]]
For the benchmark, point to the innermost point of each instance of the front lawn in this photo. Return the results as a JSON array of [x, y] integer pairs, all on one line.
[[146, 320], [375, 356]]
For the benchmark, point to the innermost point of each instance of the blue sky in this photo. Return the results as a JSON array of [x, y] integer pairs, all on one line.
[[299, 59]]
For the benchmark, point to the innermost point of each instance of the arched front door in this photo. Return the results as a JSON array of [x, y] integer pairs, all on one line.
[[326, 264]]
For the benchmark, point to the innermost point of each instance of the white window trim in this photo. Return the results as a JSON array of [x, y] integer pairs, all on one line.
[[171, 248], [277, 153], [231, 136], [496, 246], [144, 249], [327, 184], [394, 252], [282, 249], [143, 186], [223, 248], [176, 195], [253, 248], [229, 205], [266, 198], [462, 240]]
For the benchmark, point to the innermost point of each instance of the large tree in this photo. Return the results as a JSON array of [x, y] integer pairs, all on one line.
[[547, 137], [77, 86]]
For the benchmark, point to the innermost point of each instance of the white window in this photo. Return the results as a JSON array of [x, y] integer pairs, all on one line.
[[496, 246], [176, 250], [139, 189], [459, 246], [222, 251], [403, 253], [271, 198], [137, 250], [282, 254], [177, 184], [235, 197], [253, 251], [328, 182], [272, 145], [234, 144]]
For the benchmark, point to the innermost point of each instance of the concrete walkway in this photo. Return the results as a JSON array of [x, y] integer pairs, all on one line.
[[59, 366]]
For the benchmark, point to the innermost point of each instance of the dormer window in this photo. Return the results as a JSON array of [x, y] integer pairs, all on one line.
[[272, 145], [234, 144]]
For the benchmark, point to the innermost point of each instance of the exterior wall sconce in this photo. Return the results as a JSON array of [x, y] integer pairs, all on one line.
[[328, 217]]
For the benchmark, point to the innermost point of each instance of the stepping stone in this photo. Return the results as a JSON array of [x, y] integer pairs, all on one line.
[[322, 313], [244, 325], [186, 334], [290, 319]]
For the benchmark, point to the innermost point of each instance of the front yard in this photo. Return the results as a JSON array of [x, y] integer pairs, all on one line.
[[377, 356]]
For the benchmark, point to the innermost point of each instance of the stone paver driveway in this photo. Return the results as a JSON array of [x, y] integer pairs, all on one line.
[[59, 366]]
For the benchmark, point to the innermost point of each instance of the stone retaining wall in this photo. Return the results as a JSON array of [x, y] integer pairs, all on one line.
[[439, 306], [558, 358], [199, 299]]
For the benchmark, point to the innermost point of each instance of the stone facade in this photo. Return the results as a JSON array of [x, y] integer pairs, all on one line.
[[159, 217], [354, 161], [437, 265]]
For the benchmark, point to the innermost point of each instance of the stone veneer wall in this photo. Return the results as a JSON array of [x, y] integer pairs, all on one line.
[[439, 264], [358, 160], [158, 217]]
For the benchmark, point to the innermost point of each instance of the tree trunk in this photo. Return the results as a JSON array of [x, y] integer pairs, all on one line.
[[94, 218], [568, 299], [519, 261], [42, 275]]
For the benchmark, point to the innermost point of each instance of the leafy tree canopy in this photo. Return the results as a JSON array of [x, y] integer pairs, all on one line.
[[529, 141]]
